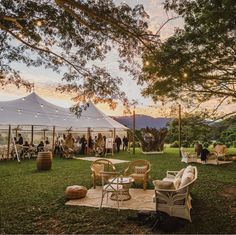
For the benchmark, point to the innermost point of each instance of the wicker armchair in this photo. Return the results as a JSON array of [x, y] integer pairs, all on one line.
[[172, 194], [139, 171], [220, 151], [98, 166]]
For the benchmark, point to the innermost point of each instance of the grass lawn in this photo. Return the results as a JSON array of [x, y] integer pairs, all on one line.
[[34, 202]]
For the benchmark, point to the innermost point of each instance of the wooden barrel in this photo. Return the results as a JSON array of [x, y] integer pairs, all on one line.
[[44, 161]]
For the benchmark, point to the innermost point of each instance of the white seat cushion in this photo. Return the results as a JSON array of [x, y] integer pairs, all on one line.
[[161, 184]]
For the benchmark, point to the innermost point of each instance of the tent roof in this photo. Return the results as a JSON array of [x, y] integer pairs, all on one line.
[[33, 110]]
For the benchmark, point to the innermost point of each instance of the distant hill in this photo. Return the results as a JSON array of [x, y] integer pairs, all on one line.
[[143, 121]]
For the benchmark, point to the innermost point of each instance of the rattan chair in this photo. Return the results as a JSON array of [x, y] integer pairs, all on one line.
[[220, 151], [110, 185], [98, 166], [139, 171]]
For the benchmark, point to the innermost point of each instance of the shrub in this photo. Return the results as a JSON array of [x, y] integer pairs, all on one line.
[[174, 145], [228, 144], [186, 144], [206, 145]]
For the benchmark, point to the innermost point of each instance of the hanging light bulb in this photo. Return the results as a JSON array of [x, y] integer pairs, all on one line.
[[39, 23], [41, 105], [185, 75], [1, 109]]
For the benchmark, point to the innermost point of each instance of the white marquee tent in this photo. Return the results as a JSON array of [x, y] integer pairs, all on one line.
[[34, 111]]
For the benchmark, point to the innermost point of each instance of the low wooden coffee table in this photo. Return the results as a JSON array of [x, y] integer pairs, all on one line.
[[123, 195]]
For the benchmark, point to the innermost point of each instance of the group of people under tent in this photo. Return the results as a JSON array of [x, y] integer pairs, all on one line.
[[66, 144], [23, 147]]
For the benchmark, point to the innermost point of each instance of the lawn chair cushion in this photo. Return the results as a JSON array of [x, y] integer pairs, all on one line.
[[140, 169], [186, 178], [189, 169], [180, 173], [162, 184]]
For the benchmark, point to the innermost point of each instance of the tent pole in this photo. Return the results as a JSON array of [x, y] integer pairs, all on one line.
[[32, 135], [14, 145], [128, 136], [88, 135], [134, 132], [179, 127], [114, 137], [53, 140], [9, 141], [44, 135]]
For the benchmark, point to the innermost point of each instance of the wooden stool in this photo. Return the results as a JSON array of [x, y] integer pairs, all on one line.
[[75, 192]]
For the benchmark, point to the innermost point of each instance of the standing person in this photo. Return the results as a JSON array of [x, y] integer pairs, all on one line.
[[99, 146], [20, 140], [83, 143], [90, 145], [118, 143], [125, 143], [47, 141], [40, 147]]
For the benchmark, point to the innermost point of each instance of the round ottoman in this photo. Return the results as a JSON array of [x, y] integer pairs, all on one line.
[[75, 192]]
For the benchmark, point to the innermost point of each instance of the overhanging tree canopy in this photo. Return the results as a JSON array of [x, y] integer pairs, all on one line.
[[198, 62], [69, 35]]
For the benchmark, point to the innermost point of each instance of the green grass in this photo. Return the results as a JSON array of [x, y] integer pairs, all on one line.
[[34, 202]]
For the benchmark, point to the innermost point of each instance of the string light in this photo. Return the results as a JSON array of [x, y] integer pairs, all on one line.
[[185, 75], [147, 63], [41, 105], [1, 109], [39, 23]]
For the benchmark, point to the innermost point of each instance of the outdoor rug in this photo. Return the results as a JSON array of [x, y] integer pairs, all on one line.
[[213, 162], [140, 200], [114, 161]]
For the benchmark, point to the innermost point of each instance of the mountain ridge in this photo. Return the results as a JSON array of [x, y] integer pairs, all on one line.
[[142, 121]]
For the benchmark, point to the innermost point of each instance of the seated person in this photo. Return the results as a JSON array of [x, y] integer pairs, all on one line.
[[40, 147], [47, 141], [25, 148], [204, 154]]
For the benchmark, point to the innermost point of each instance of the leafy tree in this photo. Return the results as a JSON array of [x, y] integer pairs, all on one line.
[[72, 37], [198, 62], [194, 128]]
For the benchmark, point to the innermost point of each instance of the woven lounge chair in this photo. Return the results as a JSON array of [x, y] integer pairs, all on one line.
[[139, 170]]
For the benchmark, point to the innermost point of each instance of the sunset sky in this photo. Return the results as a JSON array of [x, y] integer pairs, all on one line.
[[46, 81]]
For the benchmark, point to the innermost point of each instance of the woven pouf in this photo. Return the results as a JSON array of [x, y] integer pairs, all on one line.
[[75, 192]]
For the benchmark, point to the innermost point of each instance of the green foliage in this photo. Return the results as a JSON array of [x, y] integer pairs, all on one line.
[[198, 62], [175, 144], [194, 128], [72, 37]]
